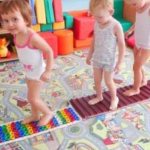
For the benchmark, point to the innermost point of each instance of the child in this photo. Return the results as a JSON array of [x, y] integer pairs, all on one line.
[[108, 34], [15, 17], [141, 30]]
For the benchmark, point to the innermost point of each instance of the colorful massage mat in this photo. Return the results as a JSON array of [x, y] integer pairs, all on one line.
[[15, 131], [85, 110]]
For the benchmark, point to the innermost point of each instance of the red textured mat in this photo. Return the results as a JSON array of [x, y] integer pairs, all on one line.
[[86, 111]]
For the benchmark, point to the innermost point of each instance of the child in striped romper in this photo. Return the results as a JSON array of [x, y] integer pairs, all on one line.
[[108, 34]]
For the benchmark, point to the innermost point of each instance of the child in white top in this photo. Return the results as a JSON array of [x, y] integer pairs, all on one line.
[[108, 34], [15, 16], [141, 30]]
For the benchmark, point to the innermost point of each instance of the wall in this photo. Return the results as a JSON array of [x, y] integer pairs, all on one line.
[[70, 5]]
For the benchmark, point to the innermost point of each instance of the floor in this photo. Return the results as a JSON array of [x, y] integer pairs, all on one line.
[[124, 129]]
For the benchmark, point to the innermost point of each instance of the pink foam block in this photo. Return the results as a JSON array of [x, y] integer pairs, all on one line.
[[57, 5]]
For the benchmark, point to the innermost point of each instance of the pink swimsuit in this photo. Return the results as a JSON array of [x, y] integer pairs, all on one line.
[[31, 58]]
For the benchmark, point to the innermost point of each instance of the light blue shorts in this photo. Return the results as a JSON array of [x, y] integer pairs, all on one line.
[[106, 67]]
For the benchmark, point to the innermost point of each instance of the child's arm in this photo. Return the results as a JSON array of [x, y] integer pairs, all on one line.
[[39, 43], [90, 53], [130, 31], [121, 45]]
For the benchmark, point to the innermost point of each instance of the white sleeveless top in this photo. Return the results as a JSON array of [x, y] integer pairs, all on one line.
[[31, 58], [105, 44], [142, 30]]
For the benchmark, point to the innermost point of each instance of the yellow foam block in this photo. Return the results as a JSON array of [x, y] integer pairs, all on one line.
[[58, 25], [40, 11], [36, 27]]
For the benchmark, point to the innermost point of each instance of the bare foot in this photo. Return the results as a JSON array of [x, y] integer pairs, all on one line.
[[131, 92], [30, 119], [95, 100], [45, 119], [114, 104]]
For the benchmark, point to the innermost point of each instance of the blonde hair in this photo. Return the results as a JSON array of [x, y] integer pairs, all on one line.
[[9, 6], [94, 4]]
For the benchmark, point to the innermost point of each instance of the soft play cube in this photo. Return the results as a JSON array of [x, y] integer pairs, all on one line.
[[32, 4], [125, 24], [49, 11], [68, 20], [51, 39], [65, 41], [46, 27], [82, 43], [57, 6], [83, 27], [40, 11]]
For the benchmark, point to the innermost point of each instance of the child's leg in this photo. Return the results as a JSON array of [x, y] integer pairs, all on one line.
[[144, 81], [108, 77], [136, 52], [98, 75], [140, 60], [37, 104], [35, 113]]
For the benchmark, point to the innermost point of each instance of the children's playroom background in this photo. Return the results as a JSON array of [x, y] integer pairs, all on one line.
[[65, 25]]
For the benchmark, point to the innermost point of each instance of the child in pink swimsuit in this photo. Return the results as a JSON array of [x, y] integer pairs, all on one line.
[[15, 16], [141, 51]]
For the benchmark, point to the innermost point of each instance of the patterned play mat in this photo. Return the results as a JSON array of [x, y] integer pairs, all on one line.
[[125, 129]]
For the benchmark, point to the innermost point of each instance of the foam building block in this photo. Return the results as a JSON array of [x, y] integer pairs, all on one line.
[[68, 20], [129, 12], [130, 41], [83, 27], [82, 43], [79, 13], [40, 11], [57, 6], [49, 11], [118, 6], [32, 4], [46, 27], [65, 41], [51, 39], [58, 25], [86, 111], [125, 24], [36, 27], [16, 131], [118, 14]]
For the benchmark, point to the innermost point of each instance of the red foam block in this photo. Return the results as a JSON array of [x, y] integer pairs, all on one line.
[[51, 39], [83, 27]]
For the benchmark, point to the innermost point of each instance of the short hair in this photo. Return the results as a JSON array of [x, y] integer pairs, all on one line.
[[96, 3], [7, 6]]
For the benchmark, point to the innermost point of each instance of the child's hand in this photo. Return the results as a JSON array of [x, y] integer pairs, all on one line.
[[46, 76], [127, 35], [88, 60], [117, 68]]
